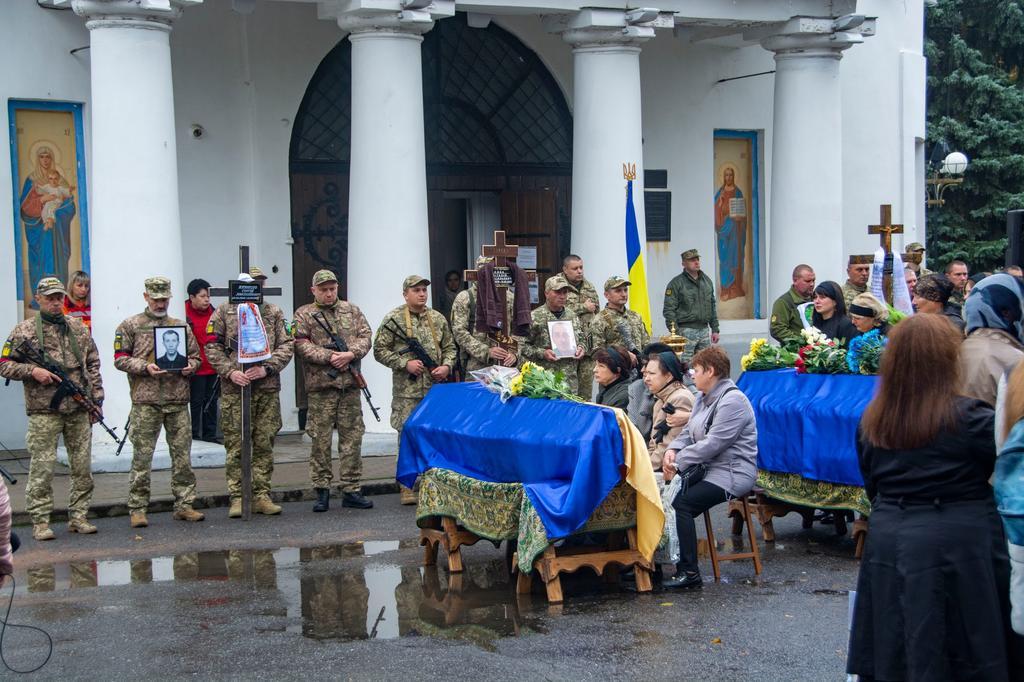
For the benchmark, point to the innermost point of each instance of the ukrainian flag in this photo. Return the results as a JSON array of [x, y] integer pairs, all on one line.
[[639, 300]]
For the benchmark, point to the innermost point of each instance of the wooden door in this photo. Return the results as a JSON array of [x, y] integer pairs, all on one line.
[[530, 218]]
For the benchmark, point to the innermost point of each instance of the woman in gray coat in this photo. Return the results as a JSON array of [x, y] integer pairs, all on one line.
[[721, 435]]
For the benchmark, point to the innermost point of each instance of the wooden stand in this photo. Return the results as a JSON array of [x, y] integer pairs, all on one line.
[[766, 510], [450, 536], [554, 562], [753, 553], [860, 535]]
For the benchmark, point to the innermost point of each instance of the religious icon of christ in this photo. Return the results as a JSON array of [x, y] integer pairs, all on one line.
[[731, 235]]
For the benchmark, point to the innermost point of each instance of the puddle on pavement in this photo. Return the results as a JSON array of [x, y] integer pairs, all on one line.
[[323, 593]]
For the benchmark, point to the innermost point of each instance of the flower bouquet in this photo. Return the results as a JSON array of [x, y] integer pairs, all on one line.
[[532, 381], [764, 356], [865, 353], [820, 354]]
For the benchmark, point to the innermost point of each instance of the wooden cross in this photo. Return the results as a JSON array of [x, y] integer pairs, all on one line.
[[243, 266], [501, 252], [885, 229]]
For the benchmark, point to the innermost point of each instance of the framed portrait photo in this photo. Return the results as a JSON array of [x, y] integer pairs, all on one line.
[[563, 338], [170, 349]]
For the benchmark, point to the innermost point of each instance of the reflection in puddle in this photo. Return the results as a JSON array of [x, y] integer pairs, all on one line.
[[324, 593]]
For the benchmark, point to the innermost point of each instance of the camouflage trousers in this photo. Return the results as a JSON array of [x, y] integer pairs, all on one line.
[[265, 417], [585, 378], [144, 429], [696, 339], [329, 410], [41, 441]]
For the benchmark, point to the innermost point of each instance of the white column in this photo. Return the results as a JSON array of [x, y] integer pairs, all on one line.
[[607, 133], [135, 225], [807, 161], [388, 232]]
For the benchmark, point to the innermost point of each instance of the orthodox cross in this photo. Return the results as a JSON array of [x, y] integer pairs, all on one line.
[[885, 230], [246, 425], [501, 252]]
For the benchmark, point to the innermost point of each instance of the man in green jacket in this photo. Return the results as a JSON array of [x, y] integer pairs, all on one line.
[[786, 323], [690, 306]]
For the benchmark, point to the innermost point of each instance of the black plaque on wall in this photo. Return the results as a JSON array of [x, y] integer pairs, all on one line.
[[658, 211]]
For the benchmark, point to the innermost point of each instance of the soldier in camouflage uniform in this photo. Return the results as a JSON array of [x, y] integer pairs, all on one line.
[[65, 341], [537, 347], [265, 404], [159, 399], [582, 300], [479, 350], [413, 320], [690, 306], [858, 272], [332, 391], [617, 324]]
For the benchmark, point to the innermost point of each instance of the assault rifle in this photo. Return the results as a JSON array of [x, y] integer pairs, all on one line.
[[412, 346], [67, 387], [338, 344], [124, 439]]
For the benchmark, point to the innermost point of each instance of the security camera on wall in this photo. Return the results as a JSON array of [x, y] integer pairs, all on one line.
[[197, 131]]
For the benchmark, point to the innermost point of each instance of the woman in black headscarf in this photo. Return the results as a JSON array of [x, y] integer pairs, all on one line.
[[830, 313]]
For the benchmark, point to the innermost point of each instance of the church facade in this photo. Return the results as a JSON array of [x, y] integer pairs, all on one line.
[[381, 138]]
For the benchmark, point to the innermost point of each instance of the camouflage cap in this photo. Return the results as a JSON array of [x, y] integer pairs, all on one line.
[[556, 283], [690, 253], [50, 285], [913, 247], [323, 277], [413, 281], [158, 287], [615, 281], [256, 273]]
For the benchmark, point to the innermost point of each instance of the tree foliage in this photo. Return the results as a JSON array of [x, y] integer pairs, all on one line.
[[975, 51]]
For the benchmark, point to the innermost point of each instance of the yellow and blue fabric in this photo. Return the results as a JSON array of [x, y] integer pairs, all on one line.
[[639, 299], [568, 456]]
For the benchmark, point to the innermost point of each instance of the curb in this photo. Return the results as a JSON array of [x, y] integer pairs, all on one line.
[[163, 504]]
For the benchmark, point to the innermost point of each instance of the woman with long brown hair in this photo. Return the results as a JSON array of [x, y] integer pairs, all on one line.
[[932, 595]]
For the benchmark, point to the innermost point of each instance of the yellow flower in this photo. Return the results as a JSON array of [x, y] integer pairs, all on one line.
[[745, 361], [516, 385]]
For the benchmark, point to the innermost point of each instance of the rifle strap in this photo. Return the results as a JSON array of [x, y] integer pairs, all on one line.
[[430, 325]]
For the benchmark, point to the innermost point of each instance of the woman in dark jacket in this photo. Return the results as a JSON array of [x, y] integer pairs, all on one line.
[[612, 370], [932, 595], [830, 313]]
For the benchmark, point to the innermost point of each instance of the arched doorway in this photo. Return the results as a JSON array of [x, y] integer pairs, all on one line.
[[498, 151]]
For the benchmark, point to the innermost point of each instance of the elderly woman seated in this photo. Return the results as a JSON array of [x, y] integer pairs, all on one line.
[[931, 295], [867, 313], [612, 370], [720, 442], [673, 403]]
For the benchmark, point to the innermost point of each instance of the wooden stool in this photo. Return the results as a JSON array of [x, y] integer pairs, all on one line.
[[451, 537], [754, 552]]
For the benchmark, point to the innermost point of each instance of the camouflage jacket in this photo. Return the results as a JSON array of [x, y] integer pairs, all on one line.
[[222, 344], [850, 291], [474, 345], [84, 369], [575, 300], [433, 332], [134, 349], [539, 339], [623, 327], [345, 320]]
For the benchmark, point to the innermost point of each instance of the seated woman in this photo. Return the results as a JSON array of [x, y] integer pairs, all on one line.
[[641, 400], [830, 313], [612, 369], [931, 295], [722, 436], [673, 403], [867, 313]]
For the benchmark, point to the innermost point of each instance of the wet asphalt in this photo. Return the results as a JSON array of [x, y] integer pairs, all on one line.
[[343, 595]]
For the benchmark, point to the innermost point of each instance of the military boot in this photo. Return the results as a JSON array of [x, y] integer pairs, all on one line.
[[408, 495], [323, 500], [356, 500], [42, 531], [138, 519], [264, 505], [78, 524], [187, 513], [235, 510]]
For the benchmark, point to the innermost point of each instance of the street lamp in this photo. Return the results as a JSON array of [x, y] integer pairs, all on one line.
[[947, 168]]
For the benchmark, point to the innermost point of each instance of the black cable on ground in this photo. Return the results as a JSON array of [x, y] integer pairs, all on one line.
[[3, 632]]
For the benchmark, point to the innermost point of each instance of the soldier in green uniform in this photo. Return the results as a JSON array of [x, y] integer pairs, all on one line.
[[479, 350], [265, 404], [538, 347], [160, 398], [582, 300], [413, 320], [785, 323], [919, 270], [690, 306], [333, 395], [617, 324], [65, 341], [858, 272]]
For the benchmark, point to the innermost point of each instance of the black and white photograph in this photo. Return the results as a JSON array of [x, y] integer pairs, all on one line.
[[169, 348]]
